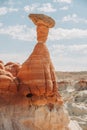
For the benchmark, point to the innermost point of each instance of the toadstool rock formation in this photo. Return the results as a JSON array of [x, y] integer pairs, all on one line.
[[29, 98], [37, 73]]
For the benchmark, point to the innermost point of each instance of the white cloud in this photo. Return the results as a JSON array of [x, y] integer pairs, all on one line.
[[61, 33], [21, 32], [47, 8], [64, 8], [76, 48], [69, 57], [1, 24], [14, 57], [11, 3], [12, 10], [70, 18], [70, 64], [31, 7], [74, 18], [5, 10], [63, 1]]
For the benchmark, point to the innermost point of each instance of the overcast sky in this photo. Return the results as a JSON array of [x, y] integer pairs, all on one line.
[[67, 41]]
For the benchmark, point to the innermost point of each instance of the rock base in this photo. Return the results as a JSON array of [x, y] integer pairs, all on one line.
[[35, 118]]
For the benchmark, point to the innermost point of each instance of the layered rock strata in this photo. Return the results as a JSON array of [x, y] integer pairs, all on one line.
[[33, 118], [37, 75], [29, 97]]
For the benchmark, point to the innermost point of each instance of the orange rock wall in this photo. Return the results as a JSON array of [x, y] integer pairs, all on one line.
[[38, 73]]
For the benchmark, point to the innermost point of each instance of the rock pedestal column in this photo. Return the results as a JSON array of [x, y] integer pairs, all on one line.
[[37, 75]]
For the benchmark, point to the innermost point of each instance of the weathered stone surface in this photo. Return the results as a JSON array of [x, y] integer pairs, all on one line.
[[33, 118], [7, 82], [33, 71], [74, 125], [63, 85], [43, 23], [7, 85], [81, 85], [4, 82], [3, 72], [45, 20], [81, 96], [1, 66], [1, 62], [37, 72], [13, 68], [42, 33], [18, 113]]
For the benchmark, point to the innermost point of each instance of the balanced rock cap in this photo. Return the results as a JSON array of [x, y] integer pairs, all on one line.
[[42, 19]]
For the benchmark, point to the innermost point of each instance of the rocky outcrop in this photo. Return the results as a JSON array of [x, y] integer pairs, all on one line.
[[78, 108], [8, 84], [74, 125], [81, 85], [37, 73], [35, 118], [29, 97], [63, 85], [13, 68], [1, 66], [18, 113], [76, 104]]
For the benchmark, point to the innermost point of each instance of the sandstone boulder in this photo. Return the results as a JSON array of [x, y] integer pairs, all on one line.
[[3, 72], [74, 125], [13, 68], [1, 66], [1, 62], [5, 82]]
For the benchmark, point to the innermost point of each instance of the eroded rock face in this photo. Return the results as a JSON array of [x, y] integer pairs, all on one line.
[[13, 68], [42, 19], [1, 66], [33, 118], [37, 73], [5, 82], [63, 85], [81, 85], [78, 108], [29, 98], [8, 85]]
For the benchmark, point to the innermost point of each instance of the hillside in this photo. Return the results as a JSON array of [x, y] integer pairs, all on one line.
[[71, 75]]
